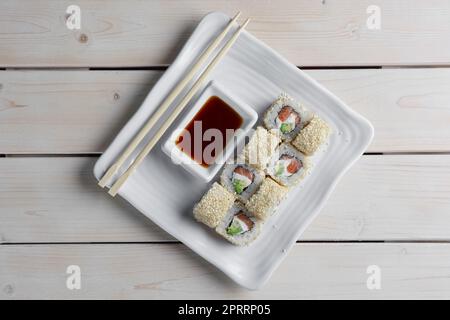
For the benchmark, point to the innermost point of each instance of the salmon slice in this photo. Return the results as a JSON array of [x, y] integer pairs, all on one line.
[[245, 219], [294, 165], [285, 112], [244, 172]]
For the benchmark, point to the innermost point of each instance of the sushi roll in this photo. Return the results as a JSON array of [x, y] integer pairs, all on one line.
[[288, 166], [239, 226], [265, 201], [287, 117], [312, 136], [260, 148], [213, 206], [241, 179]]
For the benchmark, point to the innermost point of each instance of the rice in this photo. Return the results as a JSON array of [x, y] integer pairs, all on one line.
[[260, 148], [312, 136], [213, 206], [233, 232], [296, 117], [288, 166], [241, 186], [265, 201]]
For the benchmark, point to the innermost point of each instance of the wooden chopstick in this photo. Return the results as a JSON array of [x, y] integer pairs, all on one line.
[[165, 105], [116, 186]]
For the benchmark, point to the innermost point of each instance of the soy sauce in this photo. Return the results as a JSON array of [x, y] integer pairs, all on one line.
[[214, 114]]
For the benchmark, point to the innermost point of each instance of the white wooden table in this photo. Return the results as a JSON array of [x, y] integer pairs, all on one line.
[[64, 94]]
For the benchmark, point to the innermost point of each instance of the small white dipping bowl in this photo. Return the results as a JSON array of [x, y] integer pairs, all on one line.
[[248, 115]]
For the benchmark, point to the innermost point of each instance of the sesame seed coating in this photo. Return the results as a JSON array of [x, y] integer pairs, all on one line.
[[214, 205], [260, 148], [312, 136], [266, 199]]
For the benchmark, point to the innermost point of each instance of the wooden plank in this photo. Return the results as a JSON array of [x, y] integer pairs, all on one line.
[[81, 111], [148, 33], [67, 111], [157, 271], [409, 108], [403, 197]]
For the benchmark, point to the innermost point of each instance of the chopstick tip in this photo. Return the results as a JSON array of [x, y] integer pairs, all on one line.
[[245, 23], [112, 192]]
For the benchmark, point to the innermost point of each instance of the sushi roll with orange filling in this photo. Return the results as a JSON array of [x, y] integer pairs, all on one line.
[[214, 205], [239, 226], [241, 179], [266, 200], [287, 117], [288, 166], [312, 136], [260, 148]]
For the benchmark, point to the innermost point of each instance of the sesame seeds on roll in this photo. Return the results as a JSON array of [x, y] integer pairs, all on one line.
[[213, 206], [311, 137], [264, 202], [260, 148]]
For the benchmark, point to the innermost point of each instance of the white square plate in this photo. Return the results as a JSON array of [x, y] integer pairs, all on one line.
[[166, 193]]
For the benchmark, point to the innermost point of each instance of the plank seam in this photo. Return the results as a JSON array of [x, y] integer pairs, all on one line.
[[98, 154], [168, 242], [164, 67]]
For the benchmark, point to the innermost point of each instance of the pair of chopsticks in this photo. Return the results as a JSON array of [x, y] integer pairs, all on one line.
[[165, 105]]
